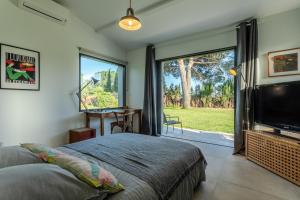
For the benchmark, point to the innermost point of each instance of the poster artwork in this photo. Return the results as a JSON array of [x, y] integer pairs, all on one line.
[[284, 62], [20, 69]]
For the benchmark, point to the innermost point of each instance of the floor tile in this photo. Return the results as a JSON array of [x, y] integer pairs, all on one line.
[[228, 191], [201, 136], [233, 177], [206, 189], [249, 174]]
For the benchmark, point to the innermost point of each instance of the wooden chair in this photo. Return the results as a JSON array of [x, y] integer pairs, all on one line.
[[124, 120], [171, 120]]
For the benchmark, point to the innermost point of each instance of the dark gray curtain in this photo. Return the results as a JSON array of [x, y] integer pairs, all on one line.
[[152, 106], [245, 81]]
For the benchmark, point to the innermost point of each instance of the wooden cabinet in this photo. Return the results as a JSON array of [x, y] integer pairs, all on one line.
[[79, 134], [277, 154]]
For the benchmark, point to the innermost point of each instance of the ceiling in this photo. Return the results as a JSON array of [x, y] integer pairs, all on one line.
[[169, 19]]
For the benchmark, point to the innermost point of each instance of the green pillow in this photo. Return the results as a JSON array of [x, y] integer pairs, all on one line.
[[91, 173]]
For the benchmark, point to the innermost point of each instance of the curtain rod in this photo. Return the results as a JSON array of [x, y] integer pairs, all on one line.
[[240, 26], [248, 23], [101, 56]]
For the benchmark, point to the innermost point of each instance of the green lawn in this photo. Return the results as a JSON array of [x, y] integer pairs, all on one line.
[[208, 119]]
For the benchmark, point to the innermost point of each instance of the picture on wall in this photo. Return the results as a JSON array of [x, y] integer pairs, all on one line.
[[282, 63], [20, 68]]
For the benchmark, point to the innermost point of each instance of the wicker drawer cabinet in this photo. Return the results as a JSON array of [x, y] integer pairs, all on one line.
[[277, 154]]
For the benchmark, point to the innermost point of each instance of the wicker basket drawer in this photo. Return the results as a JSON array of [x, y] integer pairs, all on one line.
[[279, 155]]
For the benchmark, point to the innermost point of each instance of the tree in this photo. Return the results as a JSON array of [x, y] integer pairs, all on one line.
[[227, 92], [213, 67], [102, 76], [186, 78], [108, 83], [106, 100], [172, 94], [177, 95], [197, 90], [206, 93], [115, 87], [165, 88]]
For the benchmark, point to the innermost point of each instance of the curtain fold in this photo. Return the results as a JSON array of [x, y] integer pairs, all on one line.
[[151, 124], [247, 39]]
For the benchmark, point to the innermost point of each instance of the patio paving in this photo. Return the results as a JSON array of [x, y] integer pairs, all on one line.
[[200, 136]]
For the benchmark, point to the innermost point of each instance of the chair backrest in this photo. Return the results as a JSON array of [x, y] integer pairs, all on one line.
[[165, 118], [125, 114]]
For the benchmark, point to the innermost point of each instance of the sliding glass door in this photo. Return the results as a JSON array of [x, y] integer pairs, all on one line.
[[198, 94]]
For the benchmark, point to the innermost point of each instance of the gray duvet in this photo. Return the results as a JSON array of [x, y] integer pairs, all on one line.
[[149, 167]]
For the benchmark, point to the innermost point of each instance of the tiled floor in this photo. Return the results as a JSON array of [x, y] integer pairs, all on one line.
[[200, 136], [235, 178]]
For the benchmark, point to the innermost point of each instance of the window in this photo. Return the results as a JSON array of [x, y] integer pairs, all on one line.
[[109, 91]]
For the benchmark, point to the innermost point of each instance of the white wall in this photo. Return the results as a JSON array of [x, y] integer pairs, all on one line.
[[45, 116], [136, 78], [206, 41], [277, 32]]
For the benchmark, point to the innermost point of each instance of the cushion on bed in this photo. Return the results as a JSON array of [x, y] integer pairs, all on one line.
[[44, 181], [15, 155], [91, 173], [40, 150]]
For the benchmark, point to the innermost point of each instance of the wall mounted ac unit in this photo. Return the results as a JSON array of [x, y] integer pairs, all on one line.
[[46, 8]]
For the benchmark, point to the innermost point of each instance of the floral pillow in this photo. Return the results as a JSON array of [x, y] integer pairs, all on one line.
[[91, 173], [40, 150]]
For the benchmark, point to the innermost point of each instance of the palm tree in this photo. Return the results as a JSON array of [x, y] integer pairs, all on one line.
[[206, 92], [227, 91]]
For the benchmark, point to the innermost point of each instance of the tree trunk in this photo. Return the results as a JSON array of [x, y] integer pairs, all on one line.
[[185, 74]]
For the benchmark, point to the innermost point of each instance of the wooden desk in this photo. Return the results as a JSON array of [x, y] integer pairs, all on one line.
[[110, 114]]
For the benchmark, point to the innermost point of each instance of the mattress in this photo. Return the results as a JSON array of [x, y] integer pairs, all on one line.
[[135, 187]]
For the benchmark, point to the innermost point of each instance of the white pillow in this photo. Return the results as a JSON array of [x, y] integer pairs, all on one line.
[[15, 155], [43, 181]]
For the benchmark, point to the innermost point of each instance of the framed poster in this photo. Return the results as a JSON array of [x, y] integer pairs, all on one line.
[[285, 62], [20, 68]]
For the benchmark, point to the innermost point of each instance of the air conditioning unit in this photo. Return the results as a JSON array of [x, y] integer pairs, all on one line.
[[46, 8]]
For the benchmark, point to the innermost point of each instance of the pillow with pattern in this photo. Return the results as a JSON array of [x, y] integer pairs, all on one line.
[[91, 173]]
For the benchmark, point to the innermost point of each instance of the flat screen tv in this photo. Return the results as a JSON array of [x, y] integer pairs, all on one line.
[[278, 106]]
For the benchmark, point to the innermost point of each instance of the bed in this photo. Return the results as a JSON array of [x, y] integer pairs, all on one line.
[[150, 168]]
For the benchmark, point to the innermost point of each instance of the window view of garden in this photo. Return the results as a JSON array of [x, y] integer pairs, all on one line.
[[108, 91], [200, 91]]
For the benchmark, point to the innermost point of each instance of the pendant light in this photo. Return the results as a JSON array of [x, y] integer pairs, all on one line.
[[130, 22]]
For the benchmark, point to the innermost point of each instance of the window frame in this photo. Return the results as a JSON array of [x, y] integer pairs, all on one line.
[[124, 82], [159, 65], [234, 48]]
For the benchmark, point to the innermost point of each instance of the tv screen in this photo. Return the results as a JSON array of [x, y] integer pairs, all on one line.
[[278, 105]]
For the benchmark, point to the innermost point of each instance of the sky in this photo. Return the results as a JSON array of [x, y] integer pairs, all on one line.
[[176, 81], [90, 66], [169, 79]]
